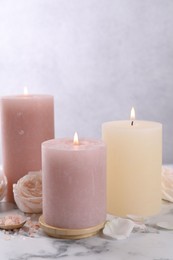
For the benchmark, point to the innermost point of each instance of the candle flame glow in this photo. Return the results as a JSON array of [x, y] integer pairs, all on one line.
[[75, 139], [132, 116], [25, 91]]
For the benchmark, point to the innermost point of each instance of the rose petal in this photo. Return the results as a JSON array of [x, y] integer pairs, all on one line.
[[167, 183], [119, 228]]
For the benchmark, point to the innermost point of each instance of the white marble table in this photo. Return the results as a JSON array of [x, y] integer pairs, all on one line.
[[155, 243]]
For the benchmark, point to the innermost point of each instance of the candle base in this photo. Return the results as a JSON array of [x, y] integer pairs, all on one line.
[[65, 233]]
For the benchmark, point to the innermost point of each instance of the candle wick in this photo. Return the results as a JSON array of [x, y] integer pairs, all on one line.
[[132, 123]]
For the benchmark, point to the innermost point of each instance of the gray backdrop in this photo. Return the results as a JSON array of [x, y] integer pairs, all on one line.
[[97, 57]]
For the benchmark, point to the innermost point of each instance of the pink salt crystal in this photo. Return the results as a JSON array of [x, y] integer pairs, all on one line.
[[29, 230], [25, 229], [8, 222], [11, 220]]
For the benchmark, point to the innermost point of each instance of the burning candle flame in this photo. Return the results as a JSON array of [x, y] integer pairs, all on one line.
[[25, 91], [75, 139], [132, 115]]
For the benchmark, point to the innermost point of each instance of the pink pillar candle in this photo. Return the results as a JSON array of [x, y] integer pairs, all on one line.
[[74, 183], [27, 121]]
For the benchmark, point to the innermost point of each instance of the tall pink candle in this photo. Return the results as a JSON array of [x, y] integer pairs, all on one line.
[[74, 183], [27, 121]]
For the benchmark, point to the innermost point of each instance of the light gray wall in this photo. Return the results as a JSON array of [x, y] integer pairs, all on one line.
[[97, 57]]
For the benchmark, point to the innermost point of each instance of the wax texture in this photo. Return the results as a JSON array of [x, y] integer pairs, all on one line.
[[134, 159], [27, 121], [74, 183]]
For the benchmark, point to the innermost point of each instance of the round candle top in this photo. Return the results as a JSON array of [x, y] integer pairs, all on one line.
[[28, 96], [137, 124], [68, 144]]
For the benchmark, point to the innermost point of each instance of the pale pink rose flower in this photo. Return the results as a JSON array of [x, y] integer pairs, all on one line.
[[167, 183], [28, 193], [3, 184]]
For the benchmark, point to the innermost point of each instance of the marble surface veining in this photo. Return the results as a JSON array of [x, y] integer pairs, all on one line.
[[154, 243]]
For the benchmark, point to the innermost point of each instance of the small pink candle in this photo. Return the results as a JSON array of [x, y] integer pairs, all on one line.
[[74, 183], [27, 121]]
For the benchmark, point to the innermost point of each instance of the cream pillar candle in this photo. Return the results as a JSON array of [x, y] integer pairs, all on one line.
[[74, 183], [27, 121], [134, 158]]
